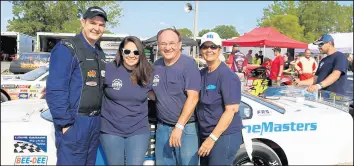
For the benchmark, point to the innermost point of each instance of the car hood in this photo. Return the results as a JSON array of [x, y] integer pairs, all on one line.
[[21, 110], [293, 105]]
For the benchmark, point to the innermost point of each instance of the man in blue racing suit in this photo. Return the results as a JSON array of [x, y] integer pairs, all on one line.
[[74, 91]]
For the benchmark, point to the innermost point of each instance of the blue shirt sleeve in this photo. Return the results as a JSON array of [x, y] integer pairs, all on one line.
[[230, 89], [57, 88], [192, 77], [341, 63]]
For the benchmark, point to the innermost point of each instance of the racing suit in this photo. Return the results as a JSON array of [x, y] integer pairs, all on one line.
[[74, 94]]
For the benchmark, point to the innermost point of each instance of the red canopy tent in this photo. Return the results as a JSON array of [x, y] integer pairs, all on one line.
[[265, 37]]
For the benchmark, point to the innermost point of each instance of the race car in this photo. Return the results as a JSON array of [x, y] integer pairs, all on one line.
[[288, 126], [30, 85]]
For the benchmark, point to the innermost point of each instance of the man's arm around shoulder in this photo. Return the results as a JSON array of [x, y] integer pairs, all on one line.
[[57, 88]]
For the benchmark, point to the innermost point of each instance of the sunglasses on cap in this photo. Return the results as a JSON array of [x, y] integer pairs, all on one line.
[[213, 47], [127, 52]]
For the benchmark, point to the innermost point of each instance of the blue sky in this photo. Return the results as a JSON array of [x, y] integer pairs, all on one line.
[[146, 18]]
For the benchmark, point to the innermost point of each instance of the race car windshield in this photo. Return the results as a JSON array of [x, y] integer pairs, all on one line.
[[332, 99], [34, 74]]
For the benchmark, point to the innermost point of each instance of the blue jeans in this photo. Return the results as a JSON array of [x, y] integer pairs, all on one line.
[[224, 150], [133, 147], [187, 154]]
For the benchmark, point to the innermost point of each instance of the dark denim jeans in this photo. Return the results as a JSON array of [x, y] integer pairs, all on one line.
[[224, 150], [187, 154], [133, 147]]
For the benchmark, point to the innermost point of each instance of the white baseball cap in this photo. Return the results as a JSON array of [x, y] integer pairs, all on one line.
[[211, 36]]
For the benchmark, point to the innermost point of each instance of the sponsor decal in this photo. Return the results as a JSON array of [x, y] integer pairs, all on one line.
[[117, 84], [38, 86], [10, 90], [22, 86], [31, 160], [270, 127], [30, 144], [29, 66], [91, 73], [32, 95], [24, 90], [8, 86], [91, 83], [7, 77], [103, 73], [34, 90], [23, 95], [258, 86], [156, 80], [264, 113]]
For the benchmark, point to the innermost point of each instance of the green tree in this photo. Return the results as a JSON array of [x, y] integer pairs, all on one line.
[[185, 32], [204, 31], [317, 17], [226, 31], [31, 17], [287, 25]]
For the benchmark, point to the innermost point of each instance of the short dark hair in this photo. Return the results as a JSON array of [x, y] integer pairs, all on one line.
[[169, 29], [235, 45], [141, 75]]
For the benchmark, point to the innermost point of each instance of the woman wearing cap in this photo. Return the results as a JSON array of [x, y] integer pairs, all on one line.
[[124, 123], [217, 111]]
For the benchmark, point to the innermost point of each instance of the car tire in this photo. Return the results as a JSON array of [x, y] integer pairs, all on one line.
[[4, 97], [262, 155]]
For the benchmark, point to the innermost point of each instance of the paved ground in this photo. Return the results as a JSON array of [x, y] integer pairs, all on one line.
[[4, 65]]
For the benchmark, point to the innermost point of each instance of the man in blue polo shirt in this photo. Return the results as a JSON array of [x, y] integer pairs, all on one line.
[[331, 74], [176, 84]]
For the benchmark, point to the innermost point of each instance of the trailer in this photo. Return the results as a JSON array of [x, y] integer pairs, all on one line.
[[47, 40], [15, 43]]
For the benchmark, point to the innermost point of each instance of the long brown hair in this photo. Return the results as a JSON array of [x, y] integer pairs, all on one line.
[[141, 75]]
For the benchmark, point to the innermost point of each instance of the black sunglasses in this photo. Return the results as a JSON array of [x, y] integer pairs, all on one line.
[[213, 47], [127, 52]]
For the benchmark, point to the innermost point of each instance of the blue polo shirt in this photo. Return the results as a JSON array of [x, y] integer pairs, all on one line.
[[219, 88], [170, 84], [124, 104], [335, 61]]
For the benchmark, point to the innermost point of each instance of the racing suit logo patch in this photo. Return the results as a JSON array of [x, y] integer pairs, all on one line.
[[91, 73], [117, 84]]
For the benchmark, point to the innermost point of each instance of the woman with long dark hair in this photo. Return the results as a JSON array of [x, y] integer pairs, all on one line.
[[124, 122]]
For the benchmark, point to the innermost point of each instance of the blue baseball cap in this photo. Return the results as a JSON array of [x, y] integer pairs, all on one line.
[[324, 39]]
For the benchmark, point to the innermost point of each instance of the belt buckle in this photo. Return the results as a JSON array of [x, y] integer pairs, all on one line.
[[93, 113]]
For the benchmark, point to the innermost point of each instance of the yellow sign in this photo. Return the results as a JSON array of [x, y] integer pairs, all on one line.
[[29, 66]]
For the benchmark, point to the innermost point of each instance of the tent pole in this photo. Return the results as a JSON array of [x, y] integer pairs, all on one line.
[[264, 51]]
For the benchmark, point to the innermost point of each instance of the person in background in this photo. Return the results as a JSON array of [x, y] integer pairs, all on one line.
[[267, 63], [237, 61], [277, 67], [176, 83], [306, 66], [256, 60], [286, 61], [261, 56], [219, 120], [249, 57], [332, 70], [74, 91], [125, 130]]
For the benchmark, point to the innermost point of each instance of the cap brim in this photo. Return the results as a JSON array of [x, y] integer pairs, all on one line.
[[96, 14], [318, 42]]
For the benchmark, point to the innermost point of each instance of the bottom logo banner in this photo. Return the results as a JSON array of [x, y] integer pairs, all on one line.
[[31, 160]]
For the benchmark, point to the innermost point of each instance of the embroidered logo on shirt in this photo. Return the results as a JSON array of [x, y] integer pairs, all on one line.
[[211, 87], [117, 84], [91, 73], [91, 83], [321, 64], [156, 80]]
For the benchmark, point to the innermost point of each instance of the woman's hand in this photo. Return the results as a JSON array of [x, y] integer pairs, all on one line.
[[206, 147]]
